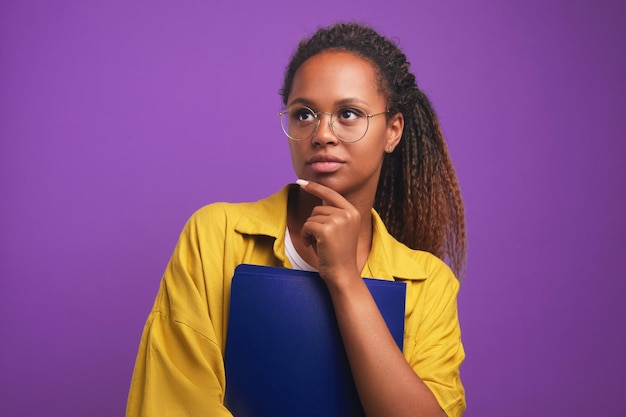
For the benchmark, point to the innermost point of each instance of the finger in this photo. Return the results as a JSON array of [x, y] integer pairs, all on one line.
[[309, 240], [322, 227], [308, 236], [327, 195], [326, 211]]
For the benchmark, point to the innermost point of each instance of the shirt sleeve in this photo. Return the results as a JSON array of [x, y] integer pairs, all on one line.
[[179, 369], [434, 347]]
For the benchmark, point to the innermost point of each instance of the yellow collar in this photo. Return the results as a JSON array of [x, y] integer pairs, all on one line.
[[388, 258]]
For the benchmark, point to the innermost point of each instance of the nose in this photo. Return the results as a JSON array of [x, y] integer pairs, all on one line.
[[324, 134]]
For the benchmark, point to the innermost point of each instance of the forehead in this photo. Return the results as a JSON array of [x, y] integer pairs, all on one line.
[[333, 76]]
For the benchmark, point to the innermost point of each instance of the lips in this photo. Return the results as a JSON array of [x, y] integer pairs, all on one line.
[[324, 164]]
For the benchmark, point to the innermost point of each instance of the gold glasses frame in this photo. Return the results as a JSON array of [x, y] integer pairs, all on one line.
[[315, 114]]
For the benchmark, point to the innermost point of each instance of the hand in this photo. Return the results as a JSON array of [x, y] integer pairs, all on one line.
[[333, 231]]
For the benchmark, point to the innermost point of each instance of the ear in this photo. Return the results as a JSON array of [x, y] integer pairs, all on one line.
[[395, 127]]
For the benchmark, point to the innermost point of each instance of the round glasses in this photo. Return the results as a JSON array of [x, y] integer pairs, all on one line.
[[347, 124]]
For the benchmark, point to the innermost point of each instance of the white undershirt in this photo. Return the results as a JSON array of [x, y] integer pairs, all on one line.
[[294, 257]]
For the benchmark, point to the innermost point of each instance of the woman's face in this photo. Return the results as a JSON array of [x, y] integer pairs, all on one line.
[[345, 85]]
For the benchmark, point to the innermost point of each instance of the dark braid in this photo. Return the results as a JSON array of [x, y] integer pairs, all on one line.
[[418, 195]]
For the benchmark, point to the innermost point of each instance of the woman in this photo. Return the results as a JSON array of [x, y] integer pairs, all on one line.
[[369, 153]]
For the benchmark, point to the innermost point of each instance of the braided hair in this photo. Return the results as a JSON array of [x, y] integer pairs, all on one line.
[[418, 195]]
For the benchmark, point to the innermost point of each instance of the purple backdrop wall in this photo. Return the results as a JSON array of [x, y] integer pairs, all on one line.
[[118, 119]]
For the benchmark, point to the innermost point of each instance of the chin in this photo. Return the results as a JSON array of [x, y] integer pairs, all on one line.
[[340, 187]]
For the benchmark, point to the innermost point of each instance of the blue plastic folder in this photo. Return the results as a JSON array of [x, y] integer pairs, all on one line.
[[284, 354]]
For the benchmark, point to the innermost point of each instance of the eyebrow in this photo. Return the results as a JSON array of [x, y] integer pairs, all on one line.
[[342, 102]]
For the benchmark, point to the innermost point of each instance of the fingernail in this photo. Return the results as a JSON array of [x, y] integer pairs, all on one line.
[[302, 182]]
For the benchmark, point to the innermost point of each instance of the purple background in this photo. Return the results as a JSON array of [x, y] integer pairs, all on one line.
[[118, 119]]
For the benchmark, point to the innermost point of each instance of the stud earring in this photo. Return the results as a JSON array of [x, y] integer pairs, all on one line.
[[389, 148]]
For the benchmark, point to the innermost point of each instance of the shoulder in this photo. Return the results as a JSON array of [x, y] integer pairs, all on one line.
[[435, 271], [395, 260], [248, 217], [432, 265], [214, 212]]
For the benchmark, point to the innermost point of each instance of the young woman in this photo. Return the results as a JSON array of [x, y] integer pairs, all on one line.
[[377, 197]]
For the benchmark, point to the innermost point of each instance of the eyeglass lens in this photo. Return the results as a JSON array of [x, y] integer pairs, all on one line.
[[348, 124]]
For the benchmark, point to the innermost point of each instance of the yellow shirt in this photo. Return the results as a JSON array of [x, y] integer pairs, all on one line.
[[180, 370]]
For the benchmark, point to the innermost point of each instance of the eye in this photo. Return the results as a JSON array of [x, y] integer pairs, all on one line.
[[303, 115], [349, 115]]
